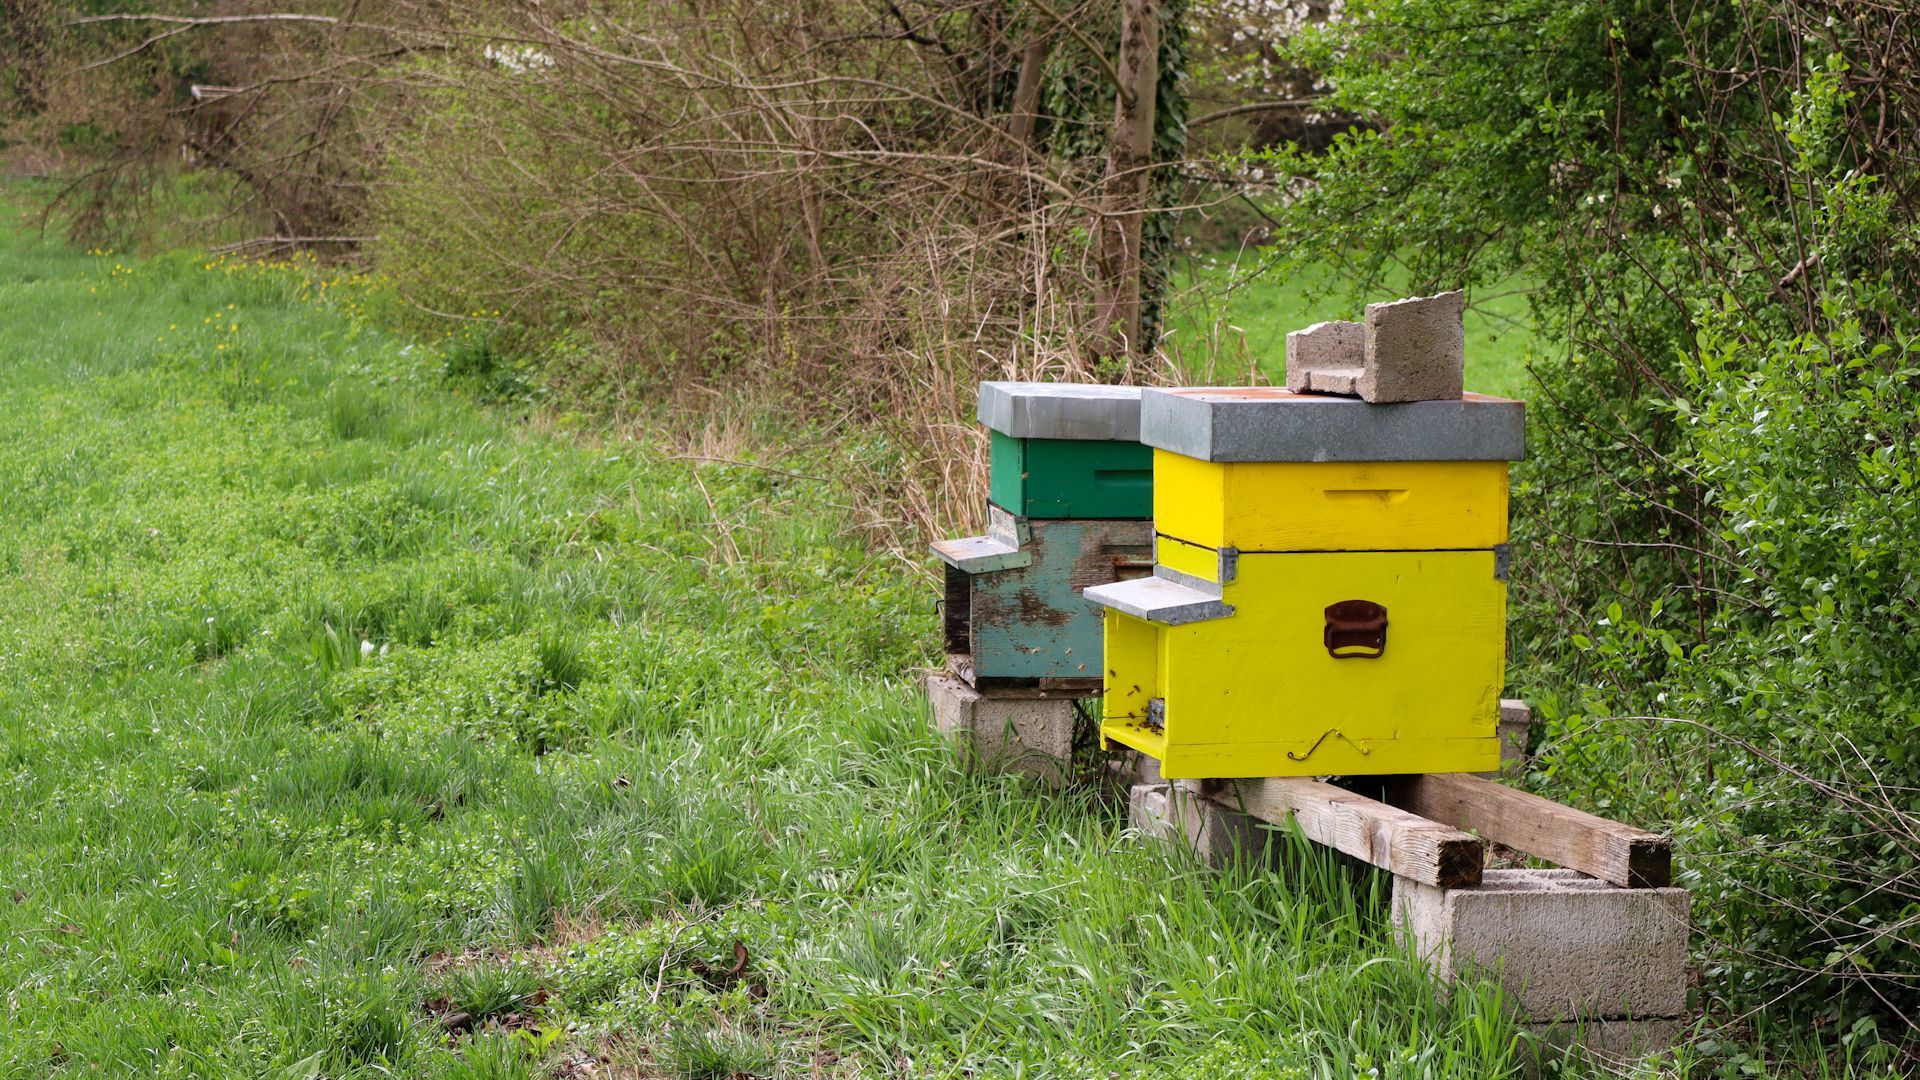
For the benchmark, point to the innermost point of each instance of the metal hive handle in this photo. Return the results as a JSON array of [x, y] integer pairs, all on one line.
[[1356, 630]]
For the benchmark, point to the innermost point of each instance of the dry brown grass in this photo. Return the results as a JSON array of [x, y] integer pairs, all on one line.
[[735, 224]]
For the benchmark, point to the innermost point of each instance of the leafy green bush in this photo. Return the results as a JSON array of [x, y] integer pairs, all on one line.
[[1781, 740], [1712, 539]]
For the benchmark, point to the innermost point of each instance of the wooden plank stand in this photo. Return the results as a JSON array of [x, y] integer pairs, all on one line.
[[1591, 953]]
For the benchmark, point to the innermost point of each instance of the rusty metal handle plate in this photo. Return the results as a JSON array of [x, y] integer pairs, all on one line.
[[1356, 630]]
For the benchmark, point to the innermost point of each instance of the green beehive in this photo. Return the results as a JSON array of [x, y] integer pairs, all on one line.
[[1070, 503], [1071, 478]]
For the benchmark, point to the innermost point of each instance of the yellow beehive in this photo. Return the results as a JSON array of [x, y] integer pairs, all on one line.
[[1329, 590]]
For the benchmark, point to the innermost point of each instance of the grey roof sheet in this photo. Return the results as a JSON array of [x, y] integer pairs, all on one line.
[[1260, 423], [1038, 410]]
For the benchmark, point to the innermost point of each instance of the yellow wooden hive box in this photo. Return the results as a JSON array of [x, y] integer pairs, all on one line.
[[1329, 589]]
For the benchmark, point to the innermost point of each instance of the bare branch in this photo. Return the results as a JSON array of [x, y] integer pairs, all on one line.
[[1257, 106], [288, 242], [203, 20]]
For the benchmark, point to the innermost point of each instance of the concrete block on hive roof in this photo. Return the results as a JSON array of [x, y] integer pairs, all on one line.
[[1327, 357], [1258, 423], [1415, 349], [1039, 410]]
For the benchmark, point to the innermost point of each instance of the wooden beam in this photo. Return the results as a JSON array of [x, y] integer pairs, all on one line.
[[1540, 827], [1405, 843]]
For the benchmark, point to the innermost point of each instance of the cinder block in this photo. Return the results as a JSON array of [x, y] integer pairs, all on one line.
[[1029, 732], [1516, 721], [1611, 1042], [1130, 767], [1174, 814], [1565, 946], [1327, 357], [1415, 349]]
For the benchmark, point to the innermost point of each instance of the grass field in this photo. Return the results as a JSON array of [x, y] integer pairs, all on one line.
[[1224, 309], [353, 730]]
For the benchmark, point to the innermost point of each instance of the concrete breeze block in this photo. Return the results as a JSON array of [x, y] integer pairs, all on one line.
[[1415, 349], [1614, 1041], [1021, 731], [1174, 814], [1516, 720], [1127, 768], [1327, 357], [1566, 947]]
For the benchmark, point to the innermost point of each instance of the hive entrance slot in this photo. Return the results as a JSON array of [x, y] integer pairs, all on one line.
[[1383, 496], [958, 611]]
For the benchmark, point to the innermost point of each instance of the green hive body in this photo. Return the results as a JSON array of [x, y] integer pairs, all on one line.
[[1072, 478], [1071, 499]]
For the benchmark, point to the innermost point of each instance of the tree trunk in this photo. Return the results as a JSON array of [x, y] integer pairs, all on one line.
[[1008, 194], [1123, 200], [1026, 94]]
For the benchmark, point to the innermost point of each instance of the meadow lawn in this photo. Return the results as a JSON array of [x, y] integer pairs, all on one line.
[[354, 728]]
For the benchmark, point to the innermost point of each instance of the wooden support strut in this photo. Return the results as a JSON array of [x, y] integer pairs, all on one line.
[[1393, 839], [1575, 839]]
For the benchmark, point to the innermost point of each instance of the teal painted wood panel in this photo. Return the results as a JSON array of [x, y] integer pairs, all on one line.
[[1031, 622], [1071, 478]]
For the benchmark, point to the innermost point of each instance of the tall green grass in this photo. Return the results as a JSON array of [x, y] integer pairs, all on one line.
[[351, 730]]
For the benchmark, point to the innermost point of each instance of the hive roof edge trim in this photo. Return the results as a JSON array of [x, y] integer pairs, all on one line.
[[1078, 411], [1249, 424]]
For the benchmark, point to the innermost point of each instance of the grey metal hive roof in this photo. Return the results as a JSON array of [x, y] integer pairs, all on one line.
[[1258, 423], [1036, 410]]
